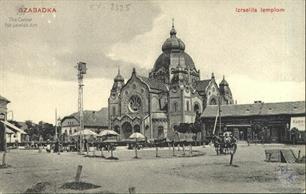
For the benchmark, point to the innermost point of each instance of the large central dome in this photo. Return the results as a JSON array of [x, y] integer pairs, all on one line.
[[173, 47]]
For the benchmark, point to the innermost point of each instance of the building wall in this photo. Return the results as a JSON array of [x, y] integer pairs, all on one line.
[[13, 138], [274, 128], [3, 112], [69, 126]]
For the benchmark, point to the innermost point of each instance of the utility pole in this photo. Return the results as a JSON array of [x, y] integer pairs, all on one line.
[[55, 136], [219, 108], [81, 67]]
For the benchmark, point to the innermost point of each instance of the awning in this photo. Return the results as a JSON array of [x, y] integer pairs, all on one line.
[[13, 127], [238, 125]]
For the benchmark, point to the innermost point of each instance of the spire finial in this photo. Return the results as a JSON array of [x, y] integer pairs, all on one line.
[[172, 31], [223, 77], [118, 70], [172, 22], [212, 75]]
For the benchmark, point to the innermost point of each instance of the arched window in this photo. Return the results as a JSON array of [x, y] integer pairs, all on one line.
[[213, 101], [196, 108], [136, 128], [147, 127], [160, 132], [117, 129], [114, 110], [187, 104], [70, 131], [174, 106], [126, 129]]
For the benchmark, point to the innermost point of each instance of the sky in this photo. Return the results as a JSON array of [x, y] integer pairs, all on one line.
[[262, 55]]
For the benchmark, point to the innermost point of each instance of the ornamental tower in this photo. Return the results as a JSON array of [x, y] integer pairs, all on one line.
[[114, 99], [173, 53]]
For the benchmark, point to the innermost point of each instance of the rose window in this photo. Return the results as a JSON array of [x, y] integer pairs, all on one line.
[[135, 103]]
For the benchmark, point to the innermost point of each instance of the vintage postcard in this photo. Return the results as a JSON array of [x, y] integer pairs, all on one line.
[[156, 96]]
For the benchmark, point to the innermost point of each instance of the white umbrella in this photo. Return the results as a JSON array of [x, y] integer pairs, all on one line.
[[107, 133], [85, 132], [137, 136]]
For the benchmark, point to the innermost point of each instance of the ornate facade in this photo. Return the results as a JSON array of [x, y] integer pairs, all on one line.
[[172, 94]]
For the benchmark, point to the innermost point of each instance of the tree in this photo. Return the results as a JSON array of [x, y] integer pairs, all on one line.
[[43, 129]]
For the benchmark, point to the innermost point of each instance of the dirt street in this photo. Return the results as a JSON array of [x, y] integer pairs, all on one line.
[[205, 172]]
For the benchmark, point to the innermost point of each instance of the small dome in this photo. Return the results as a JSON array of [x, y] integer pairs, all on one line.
[[173, 43], [223, 82], [119, 77]]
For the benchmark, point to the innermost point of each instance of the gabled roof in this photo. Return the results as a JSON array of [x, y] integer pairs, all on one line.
[[256, 109], [13, 127], [94, 118], [4, 99], [202, 85], [154, 83]]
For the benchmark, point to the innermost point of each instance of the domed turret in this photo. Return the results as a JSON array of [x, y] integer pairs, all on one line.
[[223, 82], [173, 43], [225, 92], [118, 82], [119, 77]]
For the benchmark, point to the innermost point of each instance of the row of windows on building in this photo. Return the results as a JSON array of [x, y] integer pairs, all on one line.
[[127, 128], [70, 131], [196, 108]]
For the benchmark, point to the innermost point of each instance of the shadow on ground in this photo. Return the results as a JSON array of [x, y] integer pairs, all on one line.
[[79, 186]]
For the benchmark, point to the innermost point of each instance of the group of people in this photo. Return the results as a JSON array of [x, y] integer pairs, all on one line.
[[224, 143]]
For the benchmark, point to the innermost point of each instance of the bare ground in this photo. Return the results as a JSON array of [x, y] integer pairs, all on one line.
[[49, 172]]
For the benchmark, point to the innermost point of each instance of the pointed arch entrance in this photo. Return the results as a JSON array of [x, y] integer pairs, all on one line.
[[126, 129]]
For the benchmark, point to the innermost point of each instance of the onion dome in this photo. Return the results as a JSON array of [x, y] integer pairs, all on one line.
[[118, 82], [173, 43], [173, 52], [225, 90], [119, 77], [223, 82]]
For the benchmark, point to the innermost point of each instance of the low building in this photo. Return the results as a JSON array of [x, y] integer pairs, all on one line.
[[3, 114], [14, 133], [266, 122], [93, 120]]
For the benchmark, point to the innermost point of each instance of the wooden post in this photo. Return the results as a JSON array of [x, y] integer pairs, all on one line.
[[173, 149], [156, 147], [299, 155], [39, 148], [4, 145], [102, 155], [87, 149], [59, 149], [231, 160], [4, 159], [183, 149], [132, 190], [136, 149], [78, 173], [190, 149], [111, 147]]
